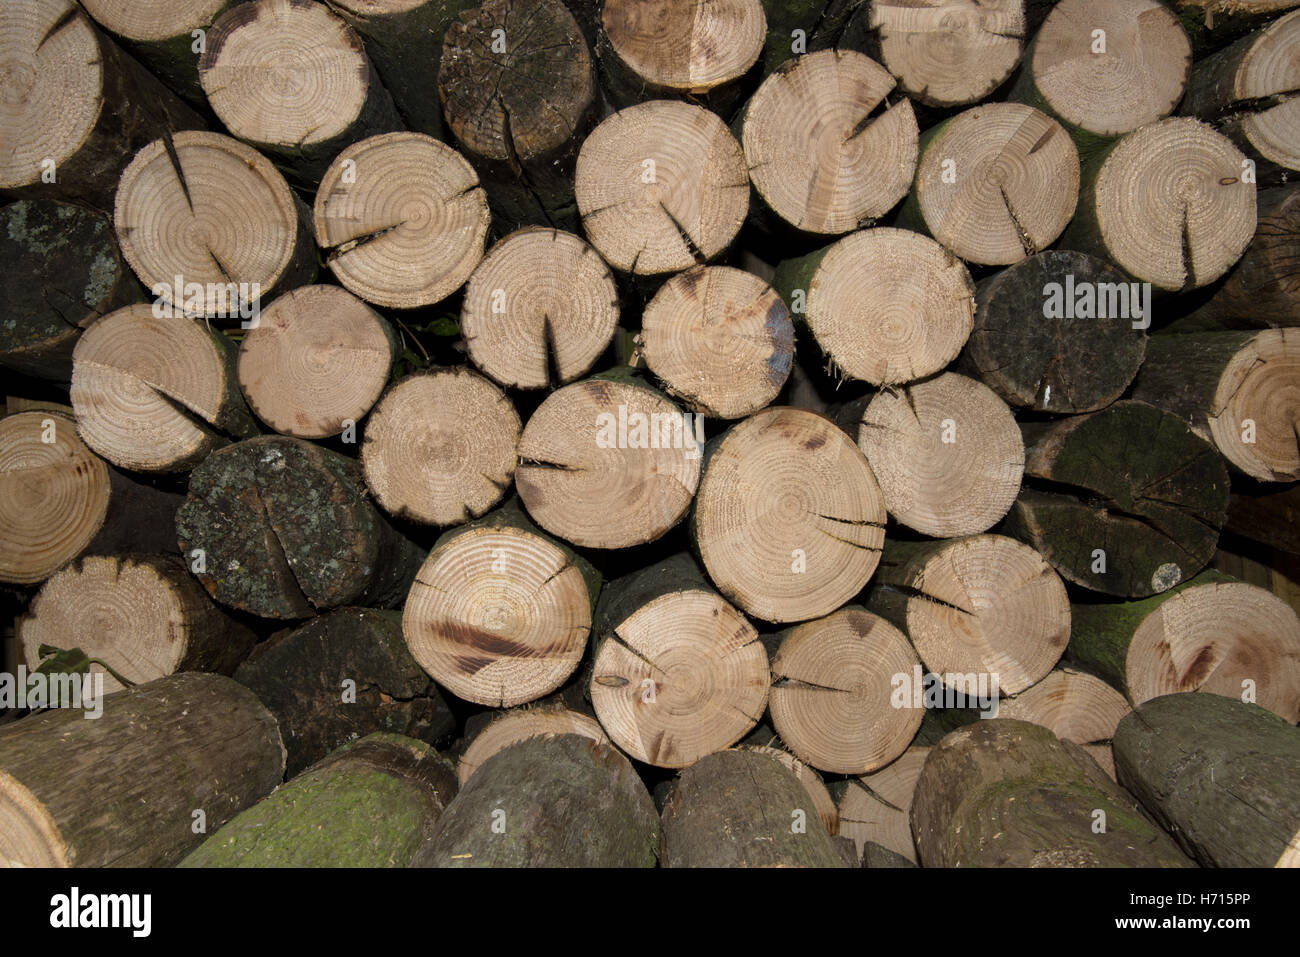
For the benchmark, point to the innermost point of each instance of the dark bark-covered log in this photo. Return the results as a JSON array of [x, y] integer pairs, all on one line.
[[341, 676], [1272, 518], [404, 40], [697, 49], [541, 305], [795, 27], [982, 605], [945, 53], [211, 227], [441, 447], [1127, 501], [520, 724], [562, 801], [873, 808], [518, 86], [412, 258], [500, 612], [316, 361], [156, 393], [371, 803], [743, 809], [609, 462], [1174, 238], [284, 529], [1263, 289], [789, 519], [1222, 776], [661, 186], [946, 451], [823, 803], [63, 270], [994, 184], [1211, 634], [719, 339], [887, 306], [1248, 92], [1101, 86], [1006, 793], [293, 79], [1236, 390], [827, 151], [1213, 24], [77, 107], [832, 698], [127, 789], [144, 616], [876, 855], [167, 36], [1054, 333], [141, 517], [678, 673], [1074, 706]]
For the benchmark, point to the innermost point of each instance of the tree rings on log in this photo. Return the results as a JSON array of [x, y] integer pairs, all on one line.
[[874, 808], [719, 339], [402, 220], [1074, 706]]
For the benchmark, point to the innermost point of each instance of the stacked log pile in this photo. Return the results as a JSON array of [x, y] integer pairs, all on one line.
[[698, 433]]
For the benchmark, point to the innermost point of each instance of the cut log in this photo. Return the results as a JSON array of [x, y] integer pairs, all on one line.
[[1054, 333], [316, 361], [64, 271], [742, 809], [520, 725], [1167, 204], [688, 48], [679, 673], [1127, 501], [542, 304], [832, 684], [1106, 84], [1222, 776], [1213, 24], [874, 808], [661, 186], [946, 52], [719, 339], [995, 184], [1210, 634], [401, 219], [827, 152], [789, 519], [886, 305], [211, 227], [339, 677], [54, 495], [403, 39], [156, 393], [1263, 289], [282, 528], [1237, 390], [1248, 91], [1273, 518], [499, 613], [76, 107], [947, 453], [506, 815], [794, 27], [1074, 706], [144, 616], [822, 801], [609, 462], [440, 447], [1006, 793], [293, 79], [983, 605], [165, 35], [518, 86], [157, 756], [141, 517], [371, 803]]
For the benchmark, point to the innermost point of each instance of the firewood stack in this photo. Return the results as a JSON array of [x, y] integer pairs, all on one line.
[[650, 433]]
